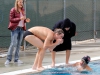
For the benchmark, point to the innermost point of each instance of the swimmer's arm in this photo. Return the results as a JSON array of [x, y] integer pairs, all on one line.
[[88, 68], [71, 65]]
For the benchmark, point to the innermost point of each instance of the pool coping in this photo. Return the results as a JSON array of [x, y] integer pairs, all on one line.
[[23, 71]]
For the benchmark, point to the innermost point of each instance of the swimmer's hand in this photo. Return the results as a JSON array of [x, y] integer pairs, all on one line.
[[59, 41]]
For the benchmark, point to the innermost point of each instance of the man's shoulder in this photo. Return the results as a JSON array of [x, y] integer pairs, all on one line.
[[73, 24], [50, 32], [50, 35]]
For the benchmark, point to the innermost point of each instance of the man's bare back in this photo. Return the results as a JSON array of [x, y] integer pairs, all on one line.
[[41, 32]]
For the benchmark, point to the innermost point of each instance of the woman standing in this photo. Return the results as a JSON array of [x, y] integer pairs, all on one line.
[[17, 27]]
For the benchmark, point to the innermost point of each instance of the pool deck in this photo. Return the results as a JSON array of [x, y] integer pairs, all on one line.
[[79, 49]]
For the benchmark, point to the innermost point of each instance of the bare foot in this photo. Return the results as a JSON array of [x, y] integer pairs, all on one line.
[[52, 65], [67, 63], [40, 68], [34, 67]]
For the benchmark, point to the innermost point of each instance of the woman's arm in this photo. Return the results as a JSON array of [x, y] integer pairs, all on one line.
[[13, 19]]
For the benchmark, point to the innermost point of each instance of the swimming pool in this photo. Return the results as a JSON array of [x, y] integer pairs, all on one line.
[[95, 65]]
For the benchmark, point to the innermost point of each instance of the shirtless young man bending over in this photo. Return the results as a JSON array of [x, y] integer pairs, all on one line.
[[36, 36]]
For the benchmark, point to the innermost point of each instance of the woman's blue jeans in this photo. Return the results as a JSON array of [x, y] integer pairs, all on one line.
[[16, 39]]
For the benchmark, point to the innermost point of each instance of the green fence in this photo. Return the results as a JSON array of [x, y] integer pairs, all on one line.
[[5, 6], [84, 13]]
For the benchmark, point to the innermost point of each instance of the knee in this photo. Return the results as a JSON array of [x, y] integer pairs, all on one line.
[[14, 44], [40, 48]]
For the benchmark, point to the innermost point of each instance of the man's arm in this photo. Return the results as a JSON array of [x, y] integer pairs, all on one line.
[[73, 30], [48, 42]]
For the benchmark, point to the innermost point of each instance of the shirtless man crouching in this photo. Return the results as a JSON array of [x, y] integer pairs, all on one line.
[[36, 35]]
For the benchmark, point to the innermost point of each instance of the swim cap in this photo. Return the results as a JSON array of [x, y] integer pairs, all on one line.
[[86, 59]]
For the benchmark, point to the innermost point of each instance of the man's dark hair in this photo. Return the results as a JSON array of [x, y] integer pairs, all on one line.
[[59, 31]]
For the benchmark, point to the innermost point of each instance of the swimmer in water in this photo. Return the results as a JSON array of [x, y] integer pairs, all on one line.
[[82, 65]]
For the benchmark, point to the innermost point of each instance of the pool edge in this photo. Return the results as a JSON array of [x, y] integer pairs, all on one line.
[[23, 71]]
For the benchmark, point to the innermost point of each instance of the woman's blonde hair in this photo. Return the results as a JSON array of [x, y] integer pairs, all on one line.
[[16, 5]]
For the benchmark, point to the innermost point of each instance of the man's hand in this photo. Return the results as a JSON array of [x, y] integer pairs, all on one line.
[[75, 33], [59, 41]]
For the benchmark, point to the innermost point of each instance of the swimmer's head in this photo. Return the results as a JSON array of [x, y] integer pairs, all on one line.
[[59, 33], [86, 59]]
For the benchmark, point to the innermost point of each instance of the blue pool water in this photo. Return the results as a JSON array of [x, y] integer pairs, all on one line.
[[95, 65]]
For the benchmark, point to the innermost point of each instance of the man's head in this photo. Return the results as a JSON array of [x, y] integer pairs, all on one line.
[[58, 33], [66, 24]]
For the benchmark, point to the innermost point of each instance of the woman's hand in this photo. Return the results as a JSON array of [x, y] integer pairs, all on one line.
[[23, 18], [27, 20]]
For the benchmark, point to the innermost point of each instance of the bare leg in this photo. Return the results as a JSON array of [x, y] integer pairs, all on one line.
[[67, 56], [34, 67], [53, 58], [39, 44], [41, 56]]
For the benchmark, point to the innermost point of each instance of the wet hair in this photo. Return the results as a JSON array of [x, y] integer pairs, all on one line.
[[86, 59], [58, 31]]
